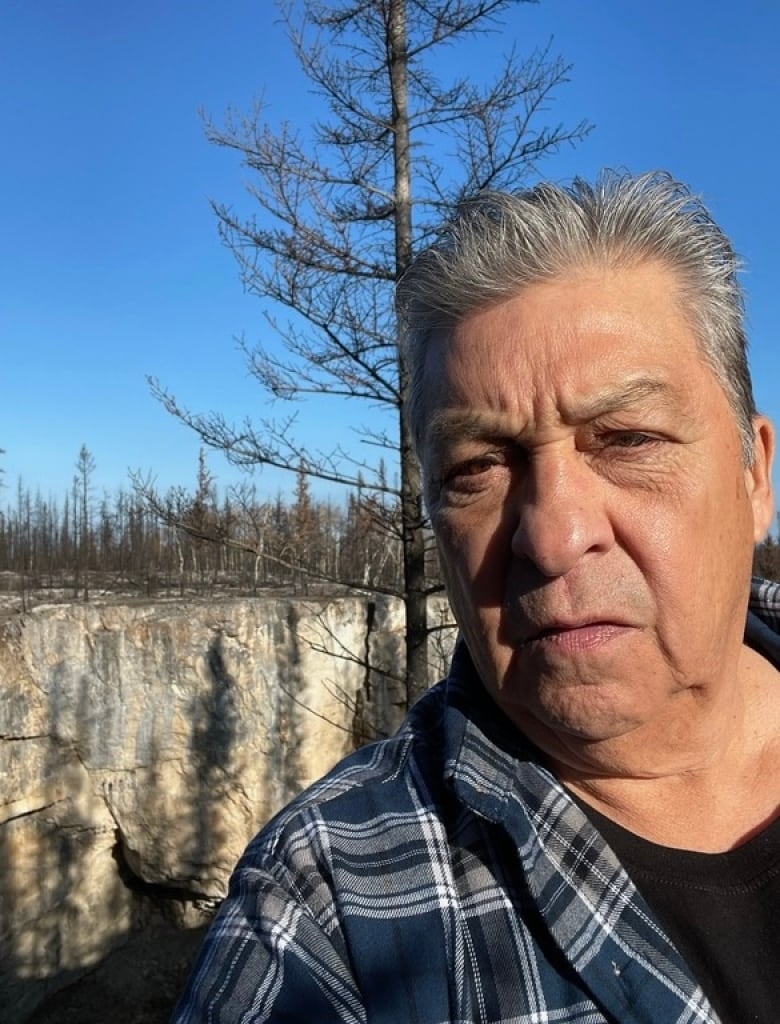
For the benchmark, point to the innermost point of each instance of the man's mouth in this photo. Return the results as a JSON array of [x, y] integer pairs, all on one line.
[[582, 635]]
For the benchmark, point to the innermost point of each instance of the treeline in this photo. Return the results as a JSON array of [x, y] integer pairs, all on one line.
[[184, 541], [766, 561], [143, 542]]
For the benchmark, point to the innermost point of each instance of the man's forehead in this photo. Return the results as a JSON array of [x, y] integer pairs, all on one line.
[[602, 339]]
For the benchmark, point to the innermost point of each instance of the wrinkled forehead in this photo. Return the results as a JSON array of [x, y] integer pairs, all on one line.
[[572, 343]]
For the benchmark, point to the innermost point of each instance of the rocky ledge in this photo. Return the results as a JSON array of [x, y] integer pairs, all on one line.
[[142, 746]]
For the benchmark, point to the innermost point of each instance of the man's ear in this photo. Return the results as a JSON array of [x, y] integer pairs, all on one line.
[[759, 477]]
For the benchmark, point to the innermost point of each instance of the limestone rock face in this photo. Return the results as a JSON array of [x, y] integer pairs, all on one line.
[[141, 747]]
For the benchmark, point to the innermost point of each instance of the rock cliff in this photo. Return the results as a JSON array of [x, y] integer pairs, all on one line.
[[142, 746]]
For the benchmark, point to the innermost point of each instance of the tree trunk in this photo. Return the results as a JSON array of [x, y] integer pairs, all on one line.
[[415, 601]]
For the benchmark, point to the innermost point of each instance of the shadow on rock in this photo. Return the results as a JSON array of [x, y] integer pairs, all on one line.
[[137, 984]]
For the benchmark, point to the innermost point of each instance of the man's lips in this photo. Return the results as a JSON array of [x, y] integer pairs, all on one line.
[[583, 634]]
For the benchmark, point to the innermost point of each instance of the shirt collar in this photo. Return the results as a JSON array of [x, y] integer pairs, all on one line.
[[762, 629], [487, 758]]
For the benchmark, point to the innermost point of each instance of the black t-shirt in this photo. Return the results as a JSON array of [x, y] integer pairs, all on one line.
[[721, 911]]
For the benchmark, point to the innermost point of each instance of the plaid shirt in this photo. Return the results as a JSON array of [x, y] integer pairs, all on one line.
[[442, 877]]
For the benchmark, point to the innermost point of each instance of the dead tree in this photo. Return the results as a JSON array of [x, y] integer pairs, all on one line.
[[338, 210]]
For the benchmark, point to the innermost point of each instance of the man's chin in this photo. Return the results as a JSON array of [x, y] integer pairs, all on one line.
[[553, 713]]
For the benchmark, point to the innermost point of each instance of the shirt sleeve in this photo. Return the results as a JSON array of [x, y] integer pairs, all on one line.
[[270, 957]]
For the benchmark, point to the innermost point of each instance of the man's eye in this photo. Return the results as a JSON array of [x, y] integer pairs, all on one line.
[[629, 439], [474, 467], [469, 473], [623, 446]]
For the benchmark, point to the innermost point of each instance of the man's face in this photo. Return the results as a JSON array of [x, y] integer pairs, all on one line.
[[593, 513]]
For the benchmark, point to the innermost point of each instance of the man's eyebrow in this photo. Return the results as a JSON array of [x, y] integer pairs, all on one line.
[[627, 393], [463, 424], [466, 424]]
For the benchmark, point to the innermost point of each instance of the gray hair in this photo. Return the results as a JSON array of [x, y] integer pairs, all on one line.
[[498, 242]]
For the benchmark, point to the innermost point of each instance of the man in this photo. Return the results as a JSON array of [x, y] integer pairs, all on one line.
[[581, 822]]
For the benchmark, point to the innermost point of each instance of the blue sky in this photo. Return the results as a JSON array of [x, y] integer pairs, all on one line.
[[111, 265]]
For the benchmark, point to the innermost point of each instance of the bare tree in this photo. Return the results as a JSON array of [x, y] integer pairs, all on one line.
[[82, 487], [338, 212], [766, 557]]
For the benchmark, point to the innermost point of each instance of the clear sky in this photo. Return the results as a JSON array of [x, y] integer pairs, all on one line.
[[111, 265]]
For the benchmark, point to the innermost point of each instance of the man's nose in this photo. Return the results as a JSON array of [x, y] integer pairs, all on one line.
[[561, 513]]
